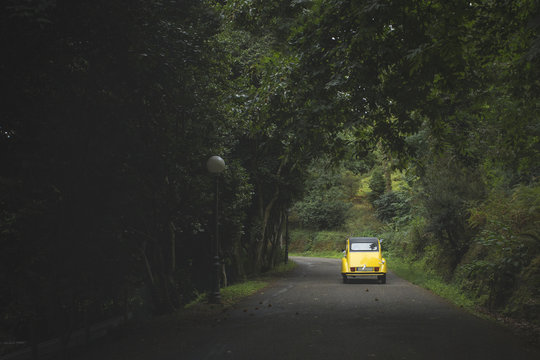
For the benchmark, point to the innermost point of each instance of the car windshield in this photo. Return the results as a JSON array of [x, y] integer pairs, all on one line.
[[364, 246]]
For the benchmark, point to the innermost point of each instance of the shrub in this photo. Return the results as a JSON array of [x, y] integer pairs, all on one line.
[[323, 210], [301, 240], [509, 238], [329, 241], [392, 205], [325, 204], [377, 184]]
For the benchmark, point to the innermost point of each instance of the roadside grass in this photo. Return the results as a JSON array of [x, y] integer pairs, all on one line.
[[310, 241], [322, 254], [361, 220], [418, 274], [232, 294], [152, 330]]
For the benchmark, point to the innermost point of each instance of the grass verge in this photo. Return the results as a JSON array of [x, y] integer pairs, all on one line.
[[417, 274], [322, 254], [231, 295]]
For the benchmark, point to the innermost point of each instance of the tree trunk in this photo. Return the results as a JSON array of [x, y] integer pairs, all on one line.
[[267, 238], [223, 275]]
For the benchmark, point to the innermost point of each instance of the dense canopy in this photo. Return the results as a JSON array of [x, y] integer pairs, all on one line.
[[110, 110]]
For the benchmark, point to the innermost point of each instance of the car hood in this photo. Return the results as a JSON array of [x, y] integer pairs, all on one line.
[[364, 258]]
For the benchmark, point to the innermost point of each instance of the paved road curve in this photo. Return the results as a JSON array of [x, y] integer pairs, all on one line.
[[312, 315]]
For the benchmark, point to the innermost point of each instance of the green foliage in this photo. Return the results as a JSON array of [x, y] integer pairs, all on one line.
[[324, 206], [500, 268], [377, 184], [448, 187], [317, 243], [361, 220], [300, 240], [231, 295], [467, 78], [111, 111], [322, 209], [392, 205], [350, 184], [421, 274], [362, 165], [103, 189], [328, 241], [409, 240], [509, 241], [112, 114], [524, 302]]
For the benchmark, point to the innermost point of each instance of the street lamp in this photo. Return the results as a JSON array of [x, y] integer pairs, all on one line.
[[216, 165], [287, 240]]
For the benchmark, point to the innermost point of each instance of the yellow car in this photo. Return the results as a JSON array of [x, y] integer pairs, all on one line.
[[363, 258]]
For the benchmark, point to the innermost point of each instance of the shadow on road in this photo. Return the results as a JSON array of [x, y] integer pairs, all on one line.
[[351, 281]]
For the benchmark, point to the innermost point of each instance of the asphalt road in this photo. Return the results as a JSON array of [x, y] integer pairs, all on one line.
[[311, 314]]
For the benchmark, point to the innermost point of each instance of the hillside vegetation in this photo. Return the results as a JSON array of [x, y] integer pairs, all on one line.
[[111, 109], [490, 261]]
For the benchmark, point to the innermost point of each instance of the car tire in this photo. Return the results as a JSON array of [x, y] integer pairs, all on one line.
[[382, 279], [345, 280]]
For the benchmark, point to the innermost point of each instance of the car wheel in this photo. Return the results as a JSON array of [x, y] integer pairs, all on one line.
[[382, 279], [345, 280]]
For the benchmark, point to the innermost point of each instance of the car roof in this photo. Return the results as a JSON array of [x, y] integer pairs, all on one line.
[[362, 239]]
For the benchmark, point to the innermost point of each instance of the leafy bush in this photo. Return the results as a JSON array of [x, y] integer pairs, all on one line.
[[509, 240], [351, 184], [325, 204], [448, 187], [408, 241], [361, 220], [323, 210], [392, 205], [301, 240], [317, 242], [377, 184], [361, 165], [329, 241]]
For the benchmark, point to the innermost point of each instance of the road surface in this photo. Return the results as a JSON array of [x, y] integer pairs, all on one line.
[[311, 314]]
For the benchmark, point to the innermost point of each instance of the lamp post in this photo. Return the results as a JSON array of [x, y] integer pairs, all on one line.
[[216, 165], [287, 213]]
